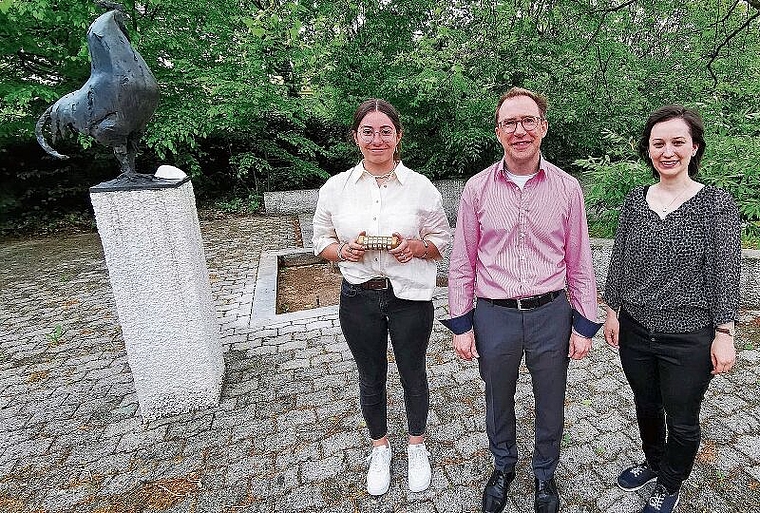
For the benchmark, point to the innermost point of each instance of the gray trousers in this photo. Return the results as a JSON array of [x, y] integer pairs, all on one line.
[[502, 336]]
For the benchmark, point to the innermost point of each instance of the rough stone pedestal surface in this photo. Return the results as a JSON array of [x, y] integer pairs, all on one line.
[[157, 269]]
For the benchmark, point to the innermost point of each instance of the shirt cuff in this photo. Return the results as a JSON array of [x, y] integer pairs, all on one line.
[[583, 326], [459, 325]]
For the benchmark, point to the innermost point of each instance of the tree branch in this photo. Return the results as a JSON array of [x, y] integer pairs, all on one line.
[[716, 52], [603, 67], [604, 13], [730, 11], [596, 33], [618, 7], [36, 64], [108, 5]]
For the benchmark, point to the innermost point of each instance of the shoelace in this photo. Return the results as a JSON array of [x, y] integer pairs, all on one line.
[[418, 455], [377, 459], [638, 470], [657, 498]]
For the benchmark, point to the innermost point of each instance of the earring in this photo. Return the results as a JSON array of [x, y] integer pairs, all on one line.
[[694, 154]]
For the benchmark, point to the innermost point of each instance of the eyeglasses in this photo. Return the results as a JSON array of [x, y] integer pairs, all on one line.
[[367, 134], [528, 123]]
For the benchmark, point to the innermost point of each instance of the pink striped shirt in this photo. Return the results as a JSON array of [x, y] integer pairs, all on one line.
[[513, 243]]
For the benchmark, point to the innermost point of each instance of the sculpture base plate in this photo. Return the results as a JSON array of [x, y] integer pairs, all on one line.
[[137, 182]]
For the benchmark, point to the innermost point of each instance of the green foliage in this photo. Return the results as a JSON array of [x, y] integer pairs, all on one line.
[[257, 96], [229, 75], [238, 205], [55, 335], [732, 165], [608, 180], [730, 162], [42, 55]]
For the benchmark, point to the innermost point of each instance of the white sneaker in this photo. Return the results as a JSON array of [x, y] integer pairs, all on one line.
[[379, 474], [419, 467]]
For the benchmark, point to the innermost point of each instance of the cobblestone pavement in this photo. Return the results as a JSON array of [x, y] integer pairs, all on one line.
[[288, 434]]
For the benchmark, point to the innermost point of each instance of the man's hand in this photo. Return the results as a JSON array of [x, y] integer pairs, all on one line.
[[579, 346], [464, 345]]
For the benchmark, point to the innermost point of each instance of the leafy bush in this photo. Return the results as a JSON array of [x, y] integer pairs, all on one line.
[[608, 180], [733, 163]]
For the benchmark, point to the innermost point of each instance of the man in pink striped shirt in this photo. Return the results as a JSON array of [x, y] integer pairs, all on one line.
[[522, 249]]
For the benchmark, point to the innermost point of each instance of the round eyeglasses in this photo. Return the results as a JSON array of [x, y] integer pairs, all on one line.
[[528, 123], [367, 134]]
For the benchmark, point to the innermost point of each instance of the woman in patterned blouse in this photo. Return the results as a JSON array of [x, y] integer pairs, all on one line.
[[672, 293]]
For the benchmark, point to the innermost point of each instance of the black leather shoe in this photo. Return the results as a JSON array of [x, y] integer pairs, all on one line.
[[495, 492], [547, 498]]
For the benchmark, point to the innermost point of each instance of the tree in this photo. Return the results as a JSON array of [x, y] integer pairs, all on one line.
[[258, 94]]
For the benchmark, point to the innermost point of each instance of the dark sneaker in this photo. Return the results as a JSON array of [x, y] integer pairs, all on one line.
[[661, 501], [633, 478]]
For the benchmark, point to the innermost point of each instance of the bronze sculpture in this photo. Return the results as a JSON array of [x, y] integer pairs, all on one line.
[[114, 105]]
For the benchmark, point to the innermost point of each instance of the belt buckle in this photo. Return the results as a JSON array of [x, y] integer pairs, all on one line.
[[378, 284], [519, 304]]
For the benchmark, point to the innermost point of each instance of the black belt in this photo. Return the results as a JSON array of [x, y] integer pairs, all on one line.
[[376, 284], [526, 303]]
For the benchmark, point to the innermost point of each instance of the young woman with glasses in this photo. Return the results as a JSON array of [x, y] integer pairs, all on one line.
[[385, 226]]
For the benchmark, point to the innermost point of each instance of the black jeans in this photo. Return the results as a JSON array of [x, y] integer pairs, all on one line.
[[669, 374], [366, 318]]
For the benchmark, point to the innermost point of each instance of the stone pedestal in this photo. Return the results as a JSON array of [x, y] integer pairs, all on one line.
[[157, 268]]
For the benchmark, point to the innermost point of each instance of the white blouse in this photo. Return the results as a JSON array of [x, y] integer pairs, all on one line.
[[352, 202]]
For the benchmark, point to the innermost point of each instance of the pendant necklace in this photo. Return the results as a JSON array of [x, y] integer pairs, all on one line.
[[381, 177], [666, 207]]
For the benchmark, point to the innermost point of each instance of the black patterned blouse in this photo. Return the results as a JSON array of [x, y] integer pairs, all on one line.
[[681, 273]]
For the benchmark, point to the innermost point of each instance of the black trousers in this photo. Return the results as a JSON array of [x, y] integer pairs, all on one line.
[[366, 318], [502, 336], [669, 374]]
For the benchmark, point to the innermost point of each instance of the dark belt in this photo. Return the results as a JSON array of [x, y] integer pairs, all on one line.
[[376, 284], [526, 303]]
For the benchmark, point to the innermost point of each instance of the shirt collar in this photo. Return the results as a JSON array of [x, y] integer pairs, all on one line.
[[402, 172], [356, 173], [501, 169]]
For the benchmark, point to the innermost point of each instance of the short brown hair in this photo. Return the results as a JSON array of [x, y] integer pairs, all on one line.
[[519, 91]]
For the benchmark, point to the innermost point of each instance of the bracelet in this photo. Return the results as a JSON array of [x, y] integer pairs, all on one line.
[[341, 258], [728, 331], [425, 243]]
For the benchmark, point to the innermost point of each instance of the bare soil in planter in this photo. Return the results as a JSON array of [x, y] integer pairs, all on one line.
[[303, 287], [307, 286]]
